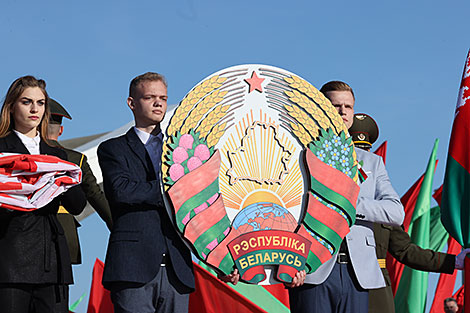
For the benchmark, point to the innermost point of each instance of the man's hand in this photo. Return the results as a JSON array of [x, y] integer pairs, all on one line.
[[460, 259], [298, 280], [231, 278]]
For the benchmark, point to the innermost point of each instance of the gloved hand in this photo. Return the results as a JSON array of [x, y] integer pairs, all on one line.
[[460, 259]]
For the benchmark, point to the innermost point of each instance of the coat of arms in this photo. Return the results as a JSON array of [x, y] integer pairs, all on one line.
[[260, 173]]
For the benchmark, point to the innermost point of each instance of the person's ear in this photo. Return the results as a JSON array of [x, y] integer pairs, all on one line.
[[61, 130], [130, 103]]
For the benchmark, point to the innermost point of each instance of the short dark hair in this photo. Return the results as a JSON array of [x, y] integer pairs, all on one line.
[[450, 299], [149, 76], [336, 85]]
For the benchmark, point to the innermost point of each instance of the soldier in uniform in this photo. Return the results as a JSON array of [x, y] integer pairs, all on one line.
[[92, 190], [394, 239]]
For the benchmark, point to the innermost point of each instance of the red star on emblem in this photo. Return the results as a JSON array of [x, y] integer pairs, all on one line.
[[255, 82]]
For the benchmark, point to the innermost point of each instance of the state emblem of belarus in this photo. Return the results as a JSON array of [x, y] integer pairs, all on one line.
[[260, 173]]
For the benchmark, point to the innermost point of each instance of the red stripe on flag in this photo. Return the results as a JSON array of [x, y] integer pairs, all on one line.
[[214, 296], [100, 298], [194, 182], [382, 151], [203, 221], [218, 254], [316, 248], [446, 283], [329, 177], [327, 216]]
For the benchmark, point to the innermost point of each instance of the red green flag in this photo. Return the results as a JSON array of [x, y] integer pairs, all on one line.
[[100, 298], [446, 283], [213, 295], [382, 150], [412, 290], [395, 268], [456, 192]]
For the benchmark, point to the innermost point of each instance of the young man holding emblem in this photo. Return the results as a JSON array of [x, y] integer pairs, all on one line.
[[341, 284], [148, 267]]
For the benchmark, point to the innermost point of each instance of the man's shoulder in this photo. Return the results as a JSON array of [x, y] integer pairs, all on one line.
[[113, 142], [366, 155], [72, 153]]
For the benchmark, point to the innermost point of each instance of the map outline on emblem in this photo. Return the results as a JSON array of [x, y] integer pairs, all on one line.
[[234, 146]]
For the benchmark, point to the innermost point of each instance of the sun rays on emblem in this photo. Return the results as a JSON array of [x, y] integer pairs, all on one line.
[[257, 166]]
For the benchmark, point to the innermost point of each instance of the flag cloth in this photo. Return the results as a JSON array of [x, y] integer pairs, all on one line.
[[408, 200], [459, 295], [213, 295], [100, 298], [455, 194], [446, 283], [411, 292], [382, 151], [28, 182]]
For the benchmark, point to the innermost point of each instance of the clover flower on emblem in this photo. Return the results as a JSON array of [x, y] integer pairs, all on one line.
[[345, 149], [344, 160]]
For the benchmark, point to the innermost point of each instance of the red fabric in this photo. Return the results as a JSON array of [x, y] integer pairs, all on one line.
[[459, 295], [100, 298], [280, 292], [382, 150], [28, 182], [395, 268], [214, 296], [446, 283], [437, 195], [459, 144], [329, 177]]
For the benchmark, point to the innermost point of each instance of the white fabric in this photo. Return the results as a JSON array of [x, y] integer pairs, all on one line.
[[32, 144], [28, 182]]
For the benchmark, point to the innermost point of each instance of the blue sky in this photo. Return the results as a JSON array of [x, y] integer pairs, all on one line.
[[403, 58]]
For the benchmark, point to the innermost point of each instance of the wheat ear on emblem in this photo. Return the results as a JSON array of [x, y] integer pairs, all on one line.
[[330, 159], [191, 165]]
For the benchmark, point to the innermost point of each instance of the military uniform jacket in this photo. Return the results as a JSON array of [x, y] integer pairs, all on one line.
[[32, 244], [377, 202], [396, 241], [93, 194]]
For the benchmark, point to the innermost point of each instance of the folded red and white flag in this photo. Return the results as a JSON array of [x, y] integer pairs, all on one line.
[[29, 182]]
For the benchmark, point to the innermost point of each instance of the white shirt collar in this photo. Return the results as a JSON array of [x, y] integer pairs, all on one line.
[[32, 144], [147, 137]]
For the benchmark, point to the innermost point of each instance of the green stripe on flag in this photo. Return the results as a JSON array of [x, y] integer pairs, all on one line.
[[455, 202], [196, 201], [335, 198], [227, 265], [323, 230], [76, 303], [412, 290], [313, 262], [212, 233], [256, 294]]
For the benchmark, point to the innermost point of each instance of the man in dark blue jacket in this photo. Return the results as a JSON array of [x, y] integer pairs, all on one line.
[[148, 268]]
